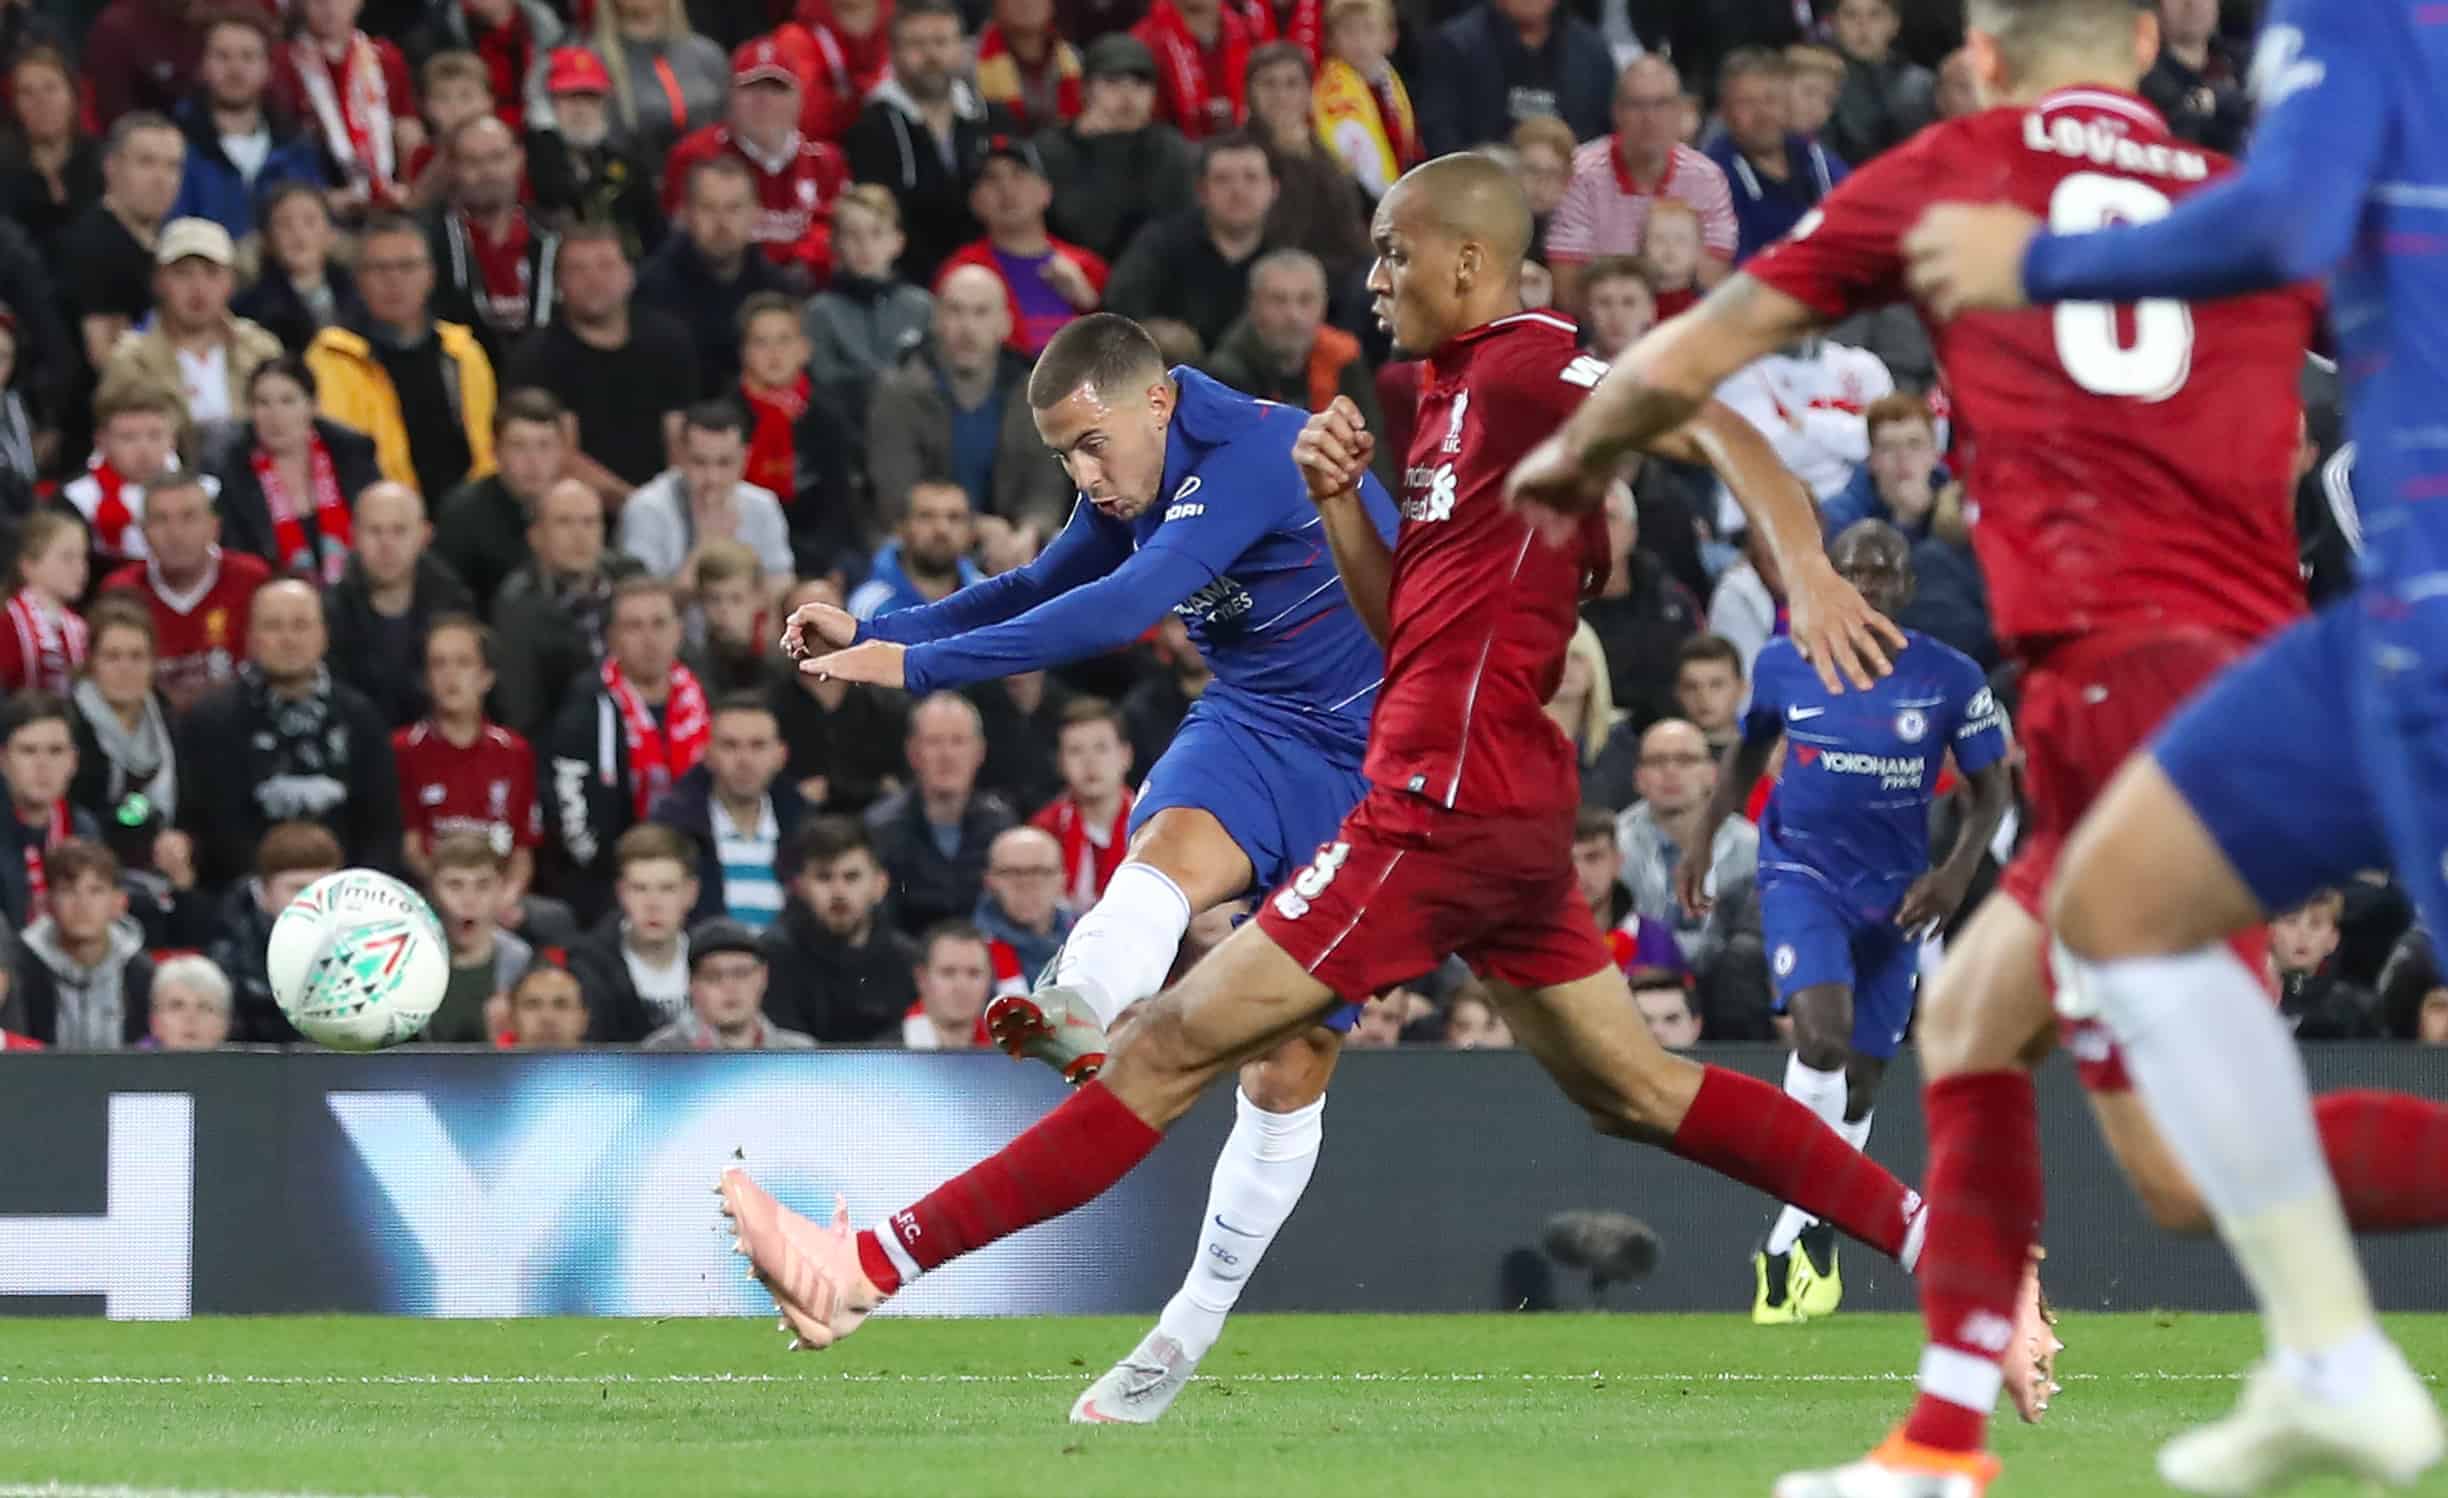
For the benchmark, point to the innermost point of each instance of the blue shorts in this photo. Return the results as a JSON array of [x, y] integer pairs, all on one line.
[[2307, 763], [1815, 936], [1280, 796]]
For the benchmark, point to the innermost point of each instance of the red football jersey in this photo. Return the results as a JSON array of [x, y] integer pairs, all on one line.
[[794, 194], [199, 636], [1481, 609], [2127, 467], [486, 788]]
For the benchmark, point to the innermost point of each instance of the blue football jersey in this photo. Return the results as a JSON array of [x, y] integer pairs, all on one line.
[[1861, 767], [1232, 545]]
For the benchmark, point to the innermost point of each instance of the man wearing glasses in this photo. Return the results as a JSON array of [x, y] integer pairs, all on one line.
[[1022, 906], [420, 387]]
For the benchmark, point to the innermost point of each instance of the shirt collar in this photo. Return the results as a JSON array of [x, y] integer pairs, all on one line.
[[1623, 172]]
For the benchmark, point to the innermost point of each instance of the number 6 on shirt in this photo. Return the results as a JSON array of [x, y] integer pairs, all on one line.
[[2089, 344]]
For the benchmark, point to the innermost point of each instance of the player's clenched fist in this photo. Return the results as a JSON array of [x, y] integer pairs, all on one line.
[[1334, 449], [821, 622]]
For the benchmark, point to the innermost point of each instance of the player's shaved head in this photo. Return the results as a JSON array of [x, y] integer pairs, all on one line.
[[1466, 198], [2035, 45], [1876, 559], [1449, 239]]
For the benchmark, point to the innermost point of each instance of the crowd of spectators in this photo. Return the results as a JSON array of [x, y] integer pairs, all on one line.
[[417, 416]]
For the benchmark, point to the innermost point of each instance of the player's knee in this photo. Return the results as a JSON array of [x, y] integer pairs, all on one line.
[[1861, 1087], [1819, 1049], [1290, 1077]]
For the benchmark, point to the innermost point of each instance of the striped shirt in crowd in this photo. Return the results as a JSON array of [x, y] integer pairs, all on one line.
[[751, 892], [1604, 211]]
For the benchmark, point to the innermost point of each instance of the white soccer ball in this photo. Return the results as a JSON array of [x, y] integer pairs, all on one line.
[[358, 961]]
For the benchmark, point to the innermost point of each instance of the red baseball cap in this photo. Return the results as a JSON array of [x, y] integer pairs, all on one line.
[[575, 70], [761, 61]]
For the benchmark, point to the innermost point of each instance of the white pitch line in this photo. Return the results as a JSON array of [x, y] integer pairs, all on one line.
[[1068, 1376], [83, 1490]]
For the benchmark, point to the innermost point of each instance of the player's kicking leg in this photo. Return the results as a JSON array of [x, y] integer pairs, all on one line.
[[1264, 1168], [2145, 893], [1984, 1020], [1243, 1001]]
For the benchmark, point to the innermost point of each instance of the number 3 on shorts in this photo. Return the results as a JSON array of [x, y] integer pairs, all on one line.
[[2095, 354], [1292, 901]]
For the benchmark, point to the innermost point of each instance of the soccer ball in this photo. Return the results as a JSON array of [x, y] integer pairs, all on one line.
[[358, 961]]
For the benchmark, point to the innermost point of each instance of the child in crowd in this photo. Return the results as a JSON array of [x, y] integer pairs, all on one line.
[[136, 423], [190, 1008], [302, 289], [81, 971], [1363, 111], [1815, 75], [42, 640], [485, 960], [861, 324], [461, 773], [1621, 305], [1670, 252], [291, 856], [458, 88], [727, 626], [796, 446]]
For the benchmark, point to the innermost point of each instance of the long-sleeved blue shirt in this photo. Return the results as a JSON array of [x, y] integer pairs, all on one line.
[[2347, 172], [1232, 544]]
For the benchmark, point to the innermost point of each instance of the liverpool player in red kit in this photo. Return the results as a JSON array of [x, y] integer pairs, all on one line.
[[1464, 842], [2130, 470]]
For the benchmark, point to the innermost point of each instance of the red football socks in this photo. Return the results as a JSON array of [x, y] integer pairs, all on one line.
[[2389, 1153], [1066, 1159], [1984, 1216], [1745, 1129]]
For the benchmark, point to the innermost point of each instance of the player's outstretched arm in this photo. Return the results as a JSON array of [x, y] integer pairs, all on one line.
[[1333, 453], [2321, 77], [1073, 625], [1654, 388]]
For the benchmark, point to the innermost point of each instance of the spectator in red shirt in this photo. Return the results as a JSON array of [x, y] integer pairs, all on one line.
[[1024, 64], [1048, 282], [456, 90], [1091, 818], [843, 49], [459, 772], [356, 90], [1202, 56], [797, 177], [196, 593]]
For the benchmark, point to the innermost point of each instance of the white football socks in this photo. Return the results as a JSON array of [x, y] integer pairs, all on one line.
[[2219, 1074], [1822, 1092], [1259, 1178], [1122, 948]]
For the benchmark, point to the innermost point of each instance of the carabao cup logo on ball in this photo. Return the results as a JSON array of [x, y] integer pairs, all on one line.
[[358, 961]]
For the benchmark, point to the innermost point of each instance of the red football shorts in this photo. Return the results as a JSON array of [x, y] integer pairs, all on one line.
[[1406, 884], [2088, 705]]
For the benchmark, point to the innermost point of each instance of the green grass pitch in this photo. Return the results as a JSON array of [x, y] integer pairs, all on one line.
[[1287, 1406]]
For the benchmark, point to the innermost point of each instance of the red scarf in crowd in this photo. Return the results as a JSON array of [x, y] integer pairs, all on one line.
[[38, 881], [1304, 26], [658, 757], [111, 516], [508, 51], [1004, 79], [773, 448], [50, 643], [1186, 89], [325, 558], [352, 106]]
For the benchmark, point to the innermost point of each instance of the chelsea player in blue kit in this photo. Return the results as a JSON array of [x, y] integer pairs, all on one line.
[[1846, 888], [2322, 755], [1190, 504]]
